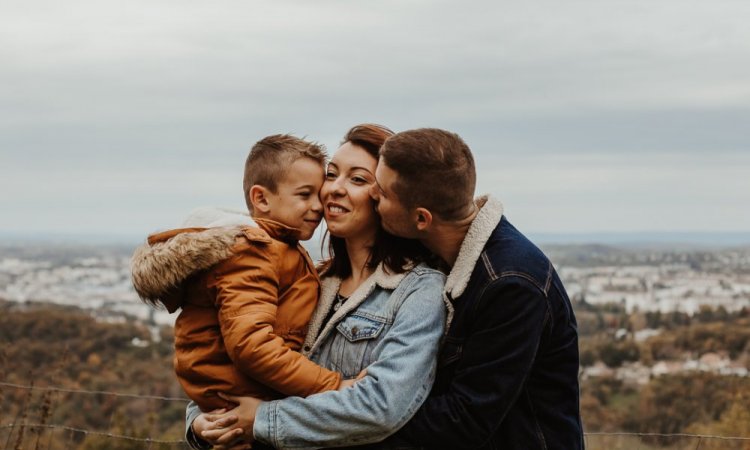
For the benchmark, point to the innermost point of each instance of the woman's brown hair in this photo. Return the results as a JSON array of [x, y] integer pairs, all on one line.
[[396, 253]]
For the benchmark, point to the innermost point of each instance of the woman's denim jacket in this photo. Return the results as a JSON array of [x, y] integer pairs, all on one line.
[[391, 326]]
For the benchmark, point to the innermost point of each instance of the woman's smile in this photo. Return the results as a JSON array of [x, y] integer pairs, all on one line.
[[335, 209]]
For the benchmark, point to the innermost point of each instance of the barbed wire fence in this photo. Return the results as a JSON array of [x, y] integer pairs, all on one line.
[[56, 418], [34, 428]]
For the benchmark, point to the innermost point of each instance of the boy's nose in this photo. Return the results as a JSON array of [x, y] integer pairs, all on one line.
[[317, 206]]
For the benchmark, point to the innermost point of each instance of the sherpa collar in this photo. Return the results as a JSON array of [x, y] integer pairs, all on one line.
[[490, 213], [329, 286]]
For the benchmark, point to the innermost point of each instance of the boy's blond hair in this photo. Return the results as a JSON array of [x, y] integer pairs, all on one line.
[[271, 156]]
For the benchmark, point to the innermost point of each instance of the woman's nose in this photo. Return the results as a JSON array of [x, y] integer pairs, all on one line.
[[338, 186]]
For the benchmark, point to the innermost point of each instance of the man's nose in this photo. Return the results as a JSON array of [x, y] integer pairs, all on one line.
[[374, 193]]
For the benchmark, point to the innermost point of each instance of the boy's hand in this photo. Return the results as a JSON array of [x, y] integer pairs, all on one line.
[[208, 420], [350, 382], [226, 429], [238, 446]]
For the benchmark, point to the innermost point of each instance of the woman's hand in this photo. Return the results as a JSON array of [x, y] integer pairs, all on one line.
[[225, 429]]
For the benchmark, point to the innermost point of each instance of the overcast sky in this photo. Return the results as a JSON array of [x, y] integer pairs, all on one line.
[[120, 117]]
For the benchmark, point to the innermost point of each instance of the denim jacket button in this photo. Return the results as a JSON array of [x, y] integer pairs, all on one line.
[[355, 330], [307, 348]]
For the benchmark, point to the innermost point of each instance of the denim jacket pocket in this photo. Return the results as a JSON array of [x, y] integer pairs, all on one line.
[[356, 328], [357, 336]]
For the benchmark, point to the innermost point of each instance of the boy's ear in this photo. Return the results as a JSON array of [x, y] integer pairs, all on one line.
[[422, 218], [259, 199]]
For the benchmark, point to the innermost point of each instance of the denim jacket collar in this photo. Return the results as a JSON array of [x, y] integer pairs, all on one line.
[[329, 286], [490, 213]]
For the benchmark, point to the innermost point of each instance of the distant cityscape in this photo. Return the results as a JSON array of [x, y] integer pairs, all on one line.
[[661, 281], [97, 277]]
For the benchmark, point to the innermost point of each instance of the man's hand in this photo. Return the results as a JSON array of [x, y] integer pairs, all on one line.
[[224, 430]]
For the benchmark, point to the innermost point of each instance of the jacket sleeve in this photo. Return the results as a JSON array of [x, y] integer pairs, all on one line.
[[247, 290], [496, 358], [396, 385]]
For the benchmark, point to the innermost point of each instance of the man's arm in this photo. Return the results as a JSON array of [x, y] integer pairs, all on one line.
[[375, 407], [497, 356]]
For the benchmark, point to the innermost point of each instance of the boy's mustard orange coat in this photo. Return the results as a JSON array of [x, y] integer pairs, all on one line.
[[246, 295]]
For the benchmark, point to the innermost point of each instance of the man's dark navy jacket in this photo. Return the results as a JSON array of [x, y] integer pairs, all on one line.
[[507, 375]]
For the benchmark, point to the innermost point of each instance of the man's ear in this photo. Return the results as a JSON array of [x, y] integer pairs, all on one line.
[[259, 199], [423, 218]]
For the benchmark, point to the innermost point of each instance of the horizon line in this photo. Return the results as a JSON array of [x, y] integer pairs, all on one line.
[[696, 237]]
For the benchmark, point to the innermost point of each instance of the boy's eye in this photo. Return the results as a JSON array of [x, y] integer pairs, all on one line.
[[304, 194], [330, 175]]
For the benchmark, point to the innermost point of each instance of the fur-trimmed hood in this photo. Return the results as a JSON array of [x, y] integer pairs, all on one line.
[[160, 266], [168, 259]]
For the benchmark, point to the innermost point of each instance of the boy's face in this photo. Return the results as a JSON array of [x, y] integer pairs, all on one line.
[[296, 203]]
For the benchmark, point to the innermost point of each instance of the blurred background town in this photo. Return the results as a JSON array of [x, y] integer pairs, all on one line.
[[664, 340]]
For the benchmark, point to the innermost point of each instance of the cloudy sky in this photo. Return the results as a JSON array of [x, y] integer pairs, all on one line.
[[584, 116]]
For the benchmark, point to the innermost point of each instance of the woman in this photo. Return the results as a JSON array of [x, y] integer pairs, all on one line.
[[378, 311]]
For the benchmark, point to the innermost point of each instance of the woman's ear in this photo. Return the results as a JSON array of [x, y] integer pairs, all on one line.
[[259, 199]]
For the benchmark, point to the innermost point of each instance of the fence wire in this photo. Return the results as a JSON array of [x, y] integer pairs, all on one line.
[[25, 432]]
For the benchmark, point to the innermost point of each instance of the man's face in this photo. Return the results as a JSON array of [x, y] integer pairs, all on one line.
[[394, 216]]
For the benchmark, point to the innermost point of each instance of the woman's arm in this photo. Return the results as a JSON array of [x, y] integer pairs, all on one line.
[[375, 407]]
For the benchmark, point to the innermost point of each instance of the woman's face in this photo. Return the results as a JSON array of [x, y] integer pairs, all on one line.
[[347, 206]]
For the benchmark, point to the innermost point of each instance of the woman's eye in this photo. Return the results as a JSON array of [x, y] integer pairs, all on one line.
[[304, 194], [330, 175], [359, 180]]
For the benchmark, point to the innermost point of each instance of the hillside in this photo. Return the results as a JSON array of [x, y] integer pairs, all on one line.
[[67, 348]]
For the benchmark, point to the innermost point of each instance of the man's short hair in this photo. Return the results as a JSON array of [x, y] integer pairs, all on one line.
[[271, 156], [435, 171]]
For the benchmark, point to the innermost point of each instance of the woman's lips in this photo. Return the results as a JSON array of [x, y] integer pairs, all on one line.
[[335, 209]]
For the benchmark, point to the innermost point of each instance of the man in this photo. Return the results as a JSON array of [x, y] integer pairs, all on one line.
[[507, 374]]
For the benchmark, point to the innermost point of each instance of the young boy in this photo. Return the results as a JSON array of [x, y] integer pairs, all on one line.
[[246, 293]]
